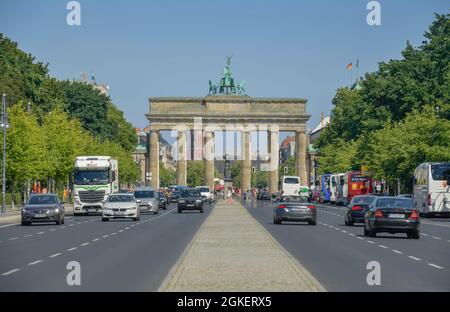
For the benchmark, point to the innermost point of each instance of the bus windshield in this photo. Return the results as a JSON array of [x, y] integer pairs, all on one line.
[[440, 172]]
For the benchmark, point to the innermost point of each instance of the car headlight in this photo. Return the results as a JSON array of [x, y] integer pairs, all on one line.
[[198, 201], [56, 210], [26, 210], [181, 201]]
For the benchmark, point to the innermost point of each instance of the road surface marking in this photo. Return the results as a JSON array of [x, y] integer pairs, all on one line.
[[52, 230], [438, 238], [382, 246], [8, 225], [71, 224], [435, 266], [105, 236], [114, 233], [120, 231], [40, 233], [61, 227], [435, 224], [344, 231], [72, 249], [95, 239], [34, 262], [29, 235], [84, 244], [396, 251], [415, 258], [359, 237], [127, 228], [55, 255], [351, 234], [13, 238], [10, 272]]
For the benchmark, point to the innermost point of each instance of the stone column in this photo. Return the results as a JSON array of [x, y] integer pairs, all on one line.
[[246, 172], [274, 161], [181, 158], [300, 147], [209, 158], [154, 159]]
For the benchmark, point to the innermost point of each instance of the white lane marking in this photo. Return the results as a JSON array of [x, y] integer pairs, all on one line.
[[34, 262], [423, 234], [79, 222], [438, 238], [382, 246], [120, 231], [435, 266], [71, 224], [114, 233], [397, 251], [52, 230], [84, 244], [351, 234], [359, 237], [10, 272], [13, 238], [95, 239], [105, 236], [344, 231], [8, 225], [337, 229], [55, 255], [435, 224], [127, 228], [40, 233], [72, 249], [415, 258], [61, 227], [29, 235]]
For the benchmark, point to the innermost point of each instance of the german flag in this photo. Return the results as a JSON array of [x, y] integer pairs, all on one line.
[[350, 66]]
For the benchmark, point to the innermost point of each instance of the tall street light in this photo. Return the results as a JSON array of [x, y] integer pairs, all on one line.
[[4, 125]]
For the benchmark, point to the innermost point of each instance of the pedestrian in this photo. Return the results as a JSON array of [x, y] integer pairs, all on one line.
[[229, 197]]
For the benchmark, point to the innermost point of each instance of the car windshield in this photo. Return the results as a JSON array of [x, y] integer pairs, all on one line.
[[394, 203], [91, 177], [43, 200], [190, 193], [365, 200], [204, 189], [291, 181], [295, 199], [440, 172], [144, 194], [120, 199]]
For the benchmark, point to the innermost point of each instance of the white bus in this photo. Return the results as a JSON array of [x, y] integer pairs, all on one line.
[[290, 185], [432, 189], [335, 187]]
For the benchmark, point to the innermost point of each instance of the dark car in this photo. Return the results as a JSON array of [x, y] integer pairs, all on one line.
[[163, 201], [43, 208], [263, 195], [357, 209], [392, 215], [295, 208], [190, 199], [174, 196]]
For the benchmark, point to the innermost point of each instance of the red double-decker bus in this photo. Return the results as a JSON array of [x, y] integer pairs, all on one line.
[[354, 183]]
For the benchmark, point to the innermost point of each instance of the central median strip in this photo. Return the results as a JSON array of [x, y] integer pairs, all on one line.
[[233, 252]]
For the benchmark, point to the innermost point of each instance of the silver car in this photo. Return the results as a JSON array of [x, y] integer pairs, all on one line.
[[120, 206], [147, 199], [294, 208]]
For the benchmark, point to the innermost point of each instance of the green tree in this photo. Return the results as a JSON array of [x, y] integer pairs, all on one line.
[[166, 176], [195, 173]]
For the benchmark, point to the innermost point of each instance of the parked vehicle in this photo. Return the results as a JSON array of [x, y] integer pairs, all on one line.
[[432, 189], [190, 199], [290, 185], [392, 215], [147, 200], [120, 206], [354, 183], [43, 208], [95, 177], [357, 208], [295, 208]]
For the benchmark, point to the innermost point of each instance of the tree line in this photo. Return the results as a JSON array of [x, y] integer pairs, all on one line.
[[396, 117], [53, 121]]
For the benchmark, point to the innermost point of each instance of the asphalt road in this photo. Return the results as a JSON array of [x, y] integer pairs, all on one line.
[[119, 255], [337, 255]]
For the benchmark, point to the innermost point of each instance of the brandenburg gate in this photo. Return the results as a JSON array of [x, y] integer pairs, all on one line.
[[227, 108]]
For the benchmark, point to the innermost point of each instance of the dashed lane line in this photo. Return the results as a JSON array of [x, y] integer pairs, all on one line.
[[34, 262], [10, 272]]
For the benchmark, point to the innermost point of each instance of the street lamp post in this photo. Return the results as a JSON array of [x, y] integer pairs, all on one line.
[[4, 124]]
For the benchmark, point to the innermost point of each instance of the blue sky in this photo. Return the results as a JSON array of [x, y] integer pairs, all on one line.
[[172, 48]]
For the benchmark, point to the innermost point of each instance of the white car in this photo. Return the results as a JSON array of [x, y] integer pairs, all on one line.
[[120, 206], [207, 194]]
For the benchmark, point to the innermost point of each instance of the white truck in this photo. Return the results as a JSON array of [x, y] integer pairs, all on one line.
[[95, 177]]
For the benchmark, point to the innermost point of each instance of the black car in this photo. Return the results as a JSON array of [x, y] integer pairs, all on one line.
[[357, 209], [263, 195], [162, 199], [43, 208], [190, 199], [174, 196], [392, 215]]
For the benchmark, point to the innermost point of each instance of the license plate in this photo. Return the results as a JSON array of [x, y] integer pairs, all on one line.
[[397, 215], [190, 205], [40, 215], [119, 213]]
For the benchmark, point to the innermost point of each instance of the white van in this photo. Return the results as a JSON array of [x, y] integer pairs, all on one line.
[[206, 193], [290, 185], [335, 184], [432, 189]]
